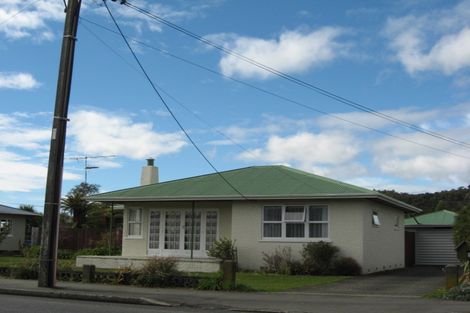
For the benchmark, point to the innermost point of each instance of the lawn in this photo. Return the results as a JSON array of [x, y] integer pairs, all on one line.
[[6, 261], [273, 282]]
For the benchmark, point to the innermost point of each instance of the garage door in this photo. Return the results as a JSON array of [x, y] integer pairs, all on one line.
[[435, 247]]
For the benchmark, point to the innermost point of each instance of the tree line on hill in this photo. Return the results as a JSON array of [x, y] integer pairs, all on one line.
[[452, 200]]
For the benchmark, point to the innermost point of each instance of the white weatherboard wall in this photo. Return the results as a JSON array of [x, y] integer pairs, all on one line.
[[345, 231], [384, 245], [15, 239]]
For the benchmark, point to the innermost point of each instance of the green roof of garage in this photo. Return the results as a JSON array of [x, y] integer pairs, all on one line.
[[442, 218], [251, 183]]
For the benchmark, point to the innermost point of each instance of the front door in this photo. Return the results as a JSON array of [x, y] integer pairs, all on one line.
[[177, 233]]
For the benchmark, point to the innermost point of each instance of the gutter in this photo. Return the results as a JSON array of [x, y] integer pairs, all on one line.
[[377, 196]]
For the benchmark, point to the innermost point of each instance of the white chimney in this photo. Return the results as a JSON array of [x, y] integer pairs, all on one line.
[[149, 173]]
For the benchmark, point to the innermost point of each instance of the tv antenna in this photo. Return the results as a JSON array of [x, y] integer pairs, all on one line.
[[85, 158]]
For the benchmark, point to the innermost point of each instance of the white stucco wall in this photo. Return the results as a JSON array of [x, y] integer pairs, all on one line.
[[345, 231], [14, 241], [138, 246], [350, 229], [384, 245]]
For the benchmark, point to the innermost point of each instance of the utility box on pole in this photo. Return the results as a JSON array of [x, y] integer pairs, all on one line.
[[50, 226]]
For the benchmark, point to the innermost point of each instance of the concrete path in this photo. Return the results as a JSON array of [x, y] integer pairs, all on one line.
[[416, 281]]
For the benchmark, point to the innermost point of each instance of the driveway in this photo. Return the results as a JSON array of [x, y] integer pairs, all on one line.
[[414, 281]]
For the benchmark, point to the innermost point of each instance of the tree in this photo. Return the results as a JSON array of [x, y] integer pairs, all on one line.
[[27, 208], [462, 226], [76, 205]]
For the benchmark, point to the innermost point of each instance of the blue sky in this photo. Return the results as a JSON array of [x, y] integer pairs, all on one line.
[[407, 59]]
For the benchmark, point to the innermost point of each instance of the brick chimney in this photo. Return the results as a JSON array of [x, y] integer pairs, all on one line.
[[149, 173]]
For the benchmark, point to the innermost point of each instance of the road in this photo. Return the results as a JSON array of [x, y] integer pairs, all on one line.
[[21, 304], [290, 303]]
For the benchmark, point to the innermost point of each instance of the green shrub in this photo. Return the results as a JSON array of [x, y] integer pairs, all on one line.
[[279, 262], [211, 283], [346, 266], [31, 252], [28, 269], [157, 272], [318, 257], [461, 293], [101, 250], [64, 254], [224, 249]]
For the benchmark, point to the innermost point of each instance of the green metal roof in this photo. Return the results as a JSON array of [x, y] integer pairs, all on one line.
[[441, 218], [257, 182]]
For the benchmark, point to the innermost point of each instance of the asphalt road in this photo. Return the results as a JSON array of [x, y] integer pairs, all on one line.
[[21, 304], [283, 303]]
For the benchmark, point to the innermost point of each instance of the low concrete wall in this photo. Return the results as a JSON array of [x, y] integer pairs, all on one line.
[[116, 262]]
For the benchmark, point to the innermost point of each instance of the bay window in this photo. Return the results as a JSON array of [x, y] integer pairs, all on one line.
[[295, 222]]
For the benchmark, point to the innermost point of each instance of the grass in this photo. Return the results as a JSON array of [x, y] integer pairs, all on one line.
[[273, 282], [436, 294]]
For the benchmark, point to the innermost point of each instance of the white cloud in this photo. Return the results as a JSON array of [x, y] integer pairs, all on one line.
[[292, 52], [306, 150], [438, 41], [19, 173], [32, 21], [106, 133], [15, 133], [17, 81]]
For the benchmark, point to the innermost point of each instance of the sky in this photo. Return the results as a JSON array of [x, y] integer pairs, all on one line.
[[407, 59]]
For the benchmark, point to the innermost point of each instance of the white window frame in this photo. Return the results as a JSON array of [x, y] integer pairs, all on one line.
[[10, 224], [272, 222], [305, 222], [376, 219], [327, 221], [129, 222], [181, 252]]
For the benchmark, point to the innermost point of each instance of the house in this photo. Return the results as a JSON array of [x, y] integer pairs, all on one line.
[[15, 220], [261, 208], [430, 238]]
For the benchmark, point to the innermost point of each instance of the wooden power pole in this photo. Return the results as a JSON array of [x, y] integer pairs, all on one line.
[[50, 225]]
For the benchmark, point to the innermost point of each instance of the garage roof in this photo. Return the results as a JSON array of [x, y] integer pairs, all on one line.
[[441, 218]]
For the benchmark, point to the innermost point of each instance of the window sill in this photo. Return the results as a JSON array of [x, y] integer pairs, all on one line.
[[133, 237], [302, 240]]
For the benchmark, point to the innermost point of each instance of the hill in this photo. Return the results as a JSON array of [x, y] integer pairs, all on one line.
[[453, 200]]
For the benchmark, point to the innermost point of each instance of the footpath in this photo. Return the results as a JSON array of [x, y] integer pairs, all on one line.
[[293, 301]]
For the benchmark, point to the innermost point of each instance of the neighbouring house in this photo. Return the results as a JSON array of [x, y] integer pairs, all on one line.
[[15, 220], [430, 239], [262, 208]]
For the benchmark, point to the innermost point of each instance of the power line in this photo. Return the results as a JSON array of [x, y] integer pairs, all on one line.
[[265, 91], [296, 80], [203, 121], [19, 12], [166, 105]]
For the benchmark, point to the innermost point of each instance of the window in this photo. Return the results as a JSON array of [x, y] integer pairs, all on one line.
[[318, 221], [295, 221], [134, 222], [272, 221], [154, 230], [397, 221], [172, 230], [211, 228], [189, 234], [5, 226], [375, 219]]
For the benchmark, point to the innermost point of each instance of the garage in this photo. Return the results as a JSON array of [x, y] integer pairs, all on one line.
[[430, 239]]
